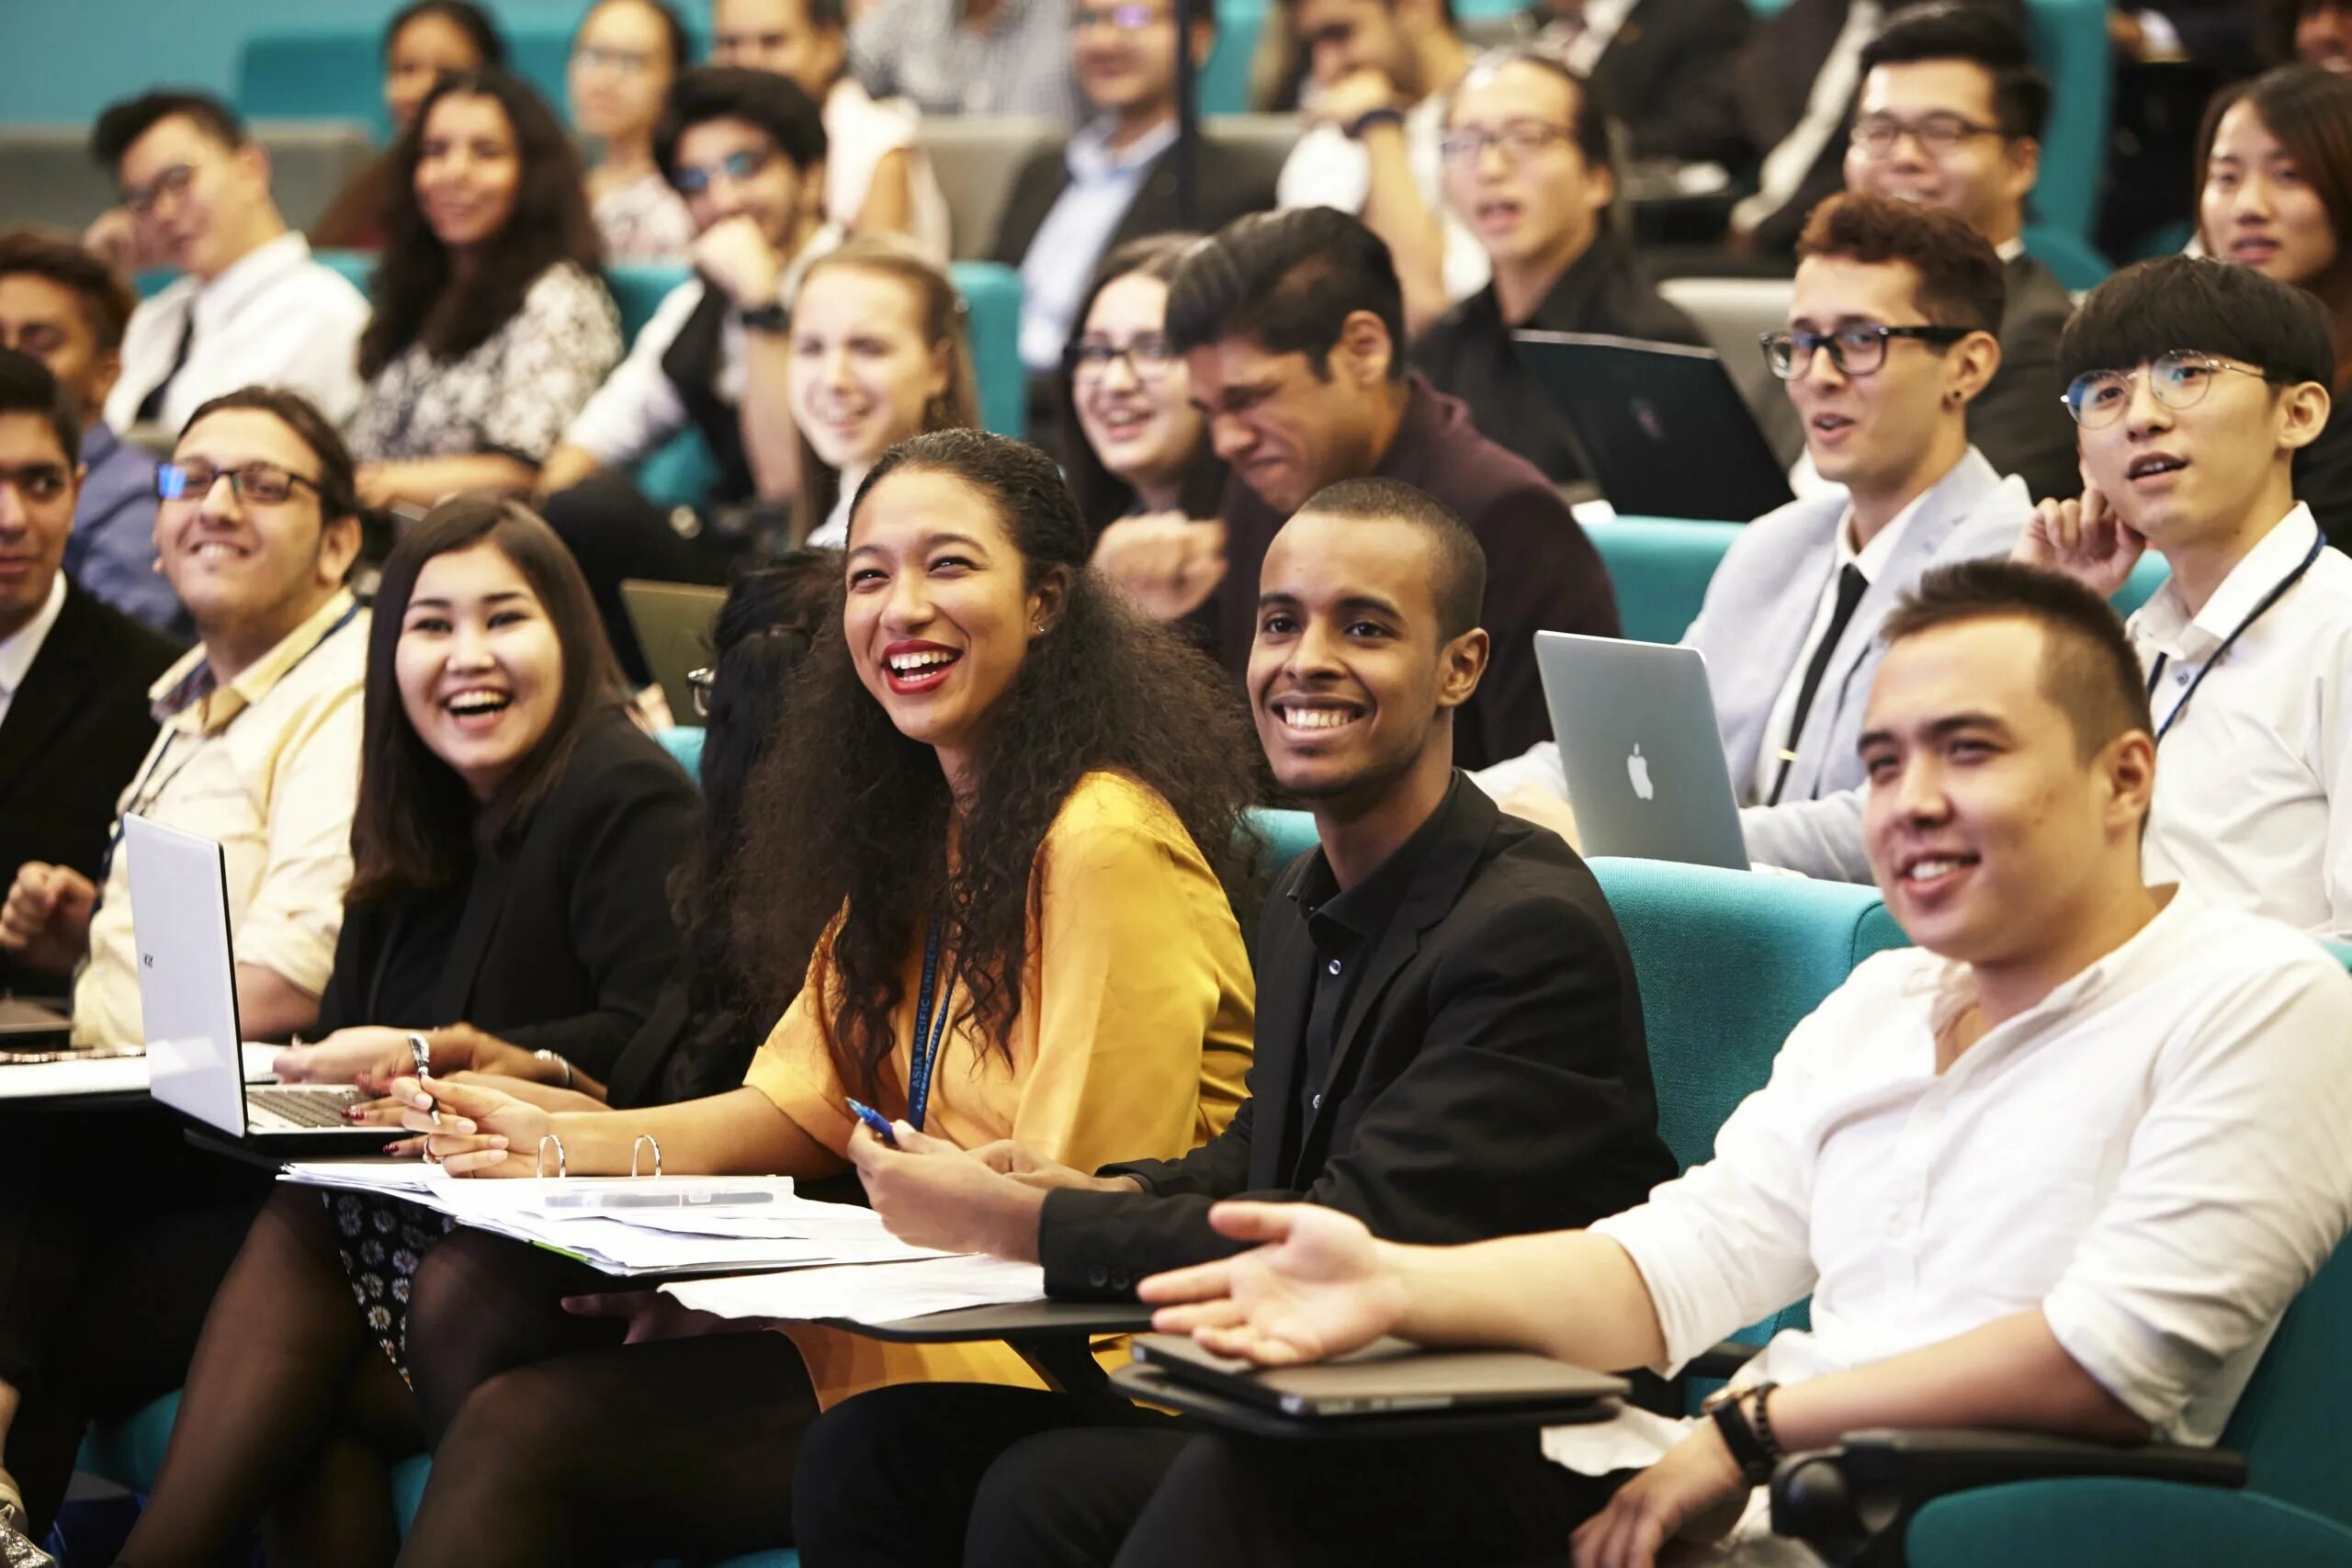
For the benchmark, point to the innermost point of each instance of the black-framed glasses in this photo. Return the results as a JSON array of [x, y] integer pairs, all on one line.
[[1149, 357], [692, 179], [1942, 133], [265, 484], [1855, 350], [1520, 139], [2177, 379], [700, 682], [1131, 17], [174, 181]]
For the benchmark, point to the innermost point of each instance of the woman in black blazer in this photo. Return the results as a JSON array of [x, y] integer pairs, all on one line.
[[513, 845]]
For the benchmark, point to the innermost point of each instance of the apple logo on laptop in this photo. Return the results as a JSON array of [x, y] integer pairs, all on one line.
[[1637, 768]]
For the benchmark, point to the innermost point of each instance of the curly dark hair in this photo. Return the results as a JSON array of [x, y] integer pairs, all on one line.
[[853, 817], [415, 299]]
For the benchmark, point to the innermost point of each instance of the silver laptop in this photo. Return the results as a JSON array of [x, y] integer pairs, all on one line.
[[1636, 727], [187, 995]]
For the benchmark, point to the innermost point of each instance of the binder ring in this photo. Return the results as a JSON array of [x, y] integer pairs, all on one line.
[[637, 1147], [540, 1165]]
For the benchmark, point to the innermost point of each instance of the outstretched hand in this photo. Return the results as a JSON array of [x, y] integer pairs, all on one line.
[[1317, 1286]]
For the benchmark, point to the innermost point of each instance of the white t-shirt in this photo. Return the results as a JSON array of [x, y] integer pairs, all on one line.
[[1325, 169]]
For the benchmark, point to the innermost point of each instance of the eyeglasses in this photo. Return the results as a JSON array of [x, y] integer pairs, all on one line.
[[1856, 351], [628, 61], [2177, 379], [1128, 18], [1148, 358], [265, 484], [700, 682], [1942, 135], [174, 181], [1520, 140], [692, 179]]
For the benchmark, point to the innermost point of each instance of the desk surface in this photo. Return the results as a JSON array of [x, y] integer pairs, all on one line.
[[1015, 1322]]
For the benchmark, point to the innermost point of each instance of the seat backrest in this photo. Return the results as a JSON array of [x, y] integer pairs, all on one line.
[[639, 288], [1734, 312], [992, 302], [2148, 574], [2290, 1422], [2069, 41], [1729, 961], [683, 741], [297, 73], [975, 158], [2076, 262], [1661, 567], [1288, 834], [47, 175]]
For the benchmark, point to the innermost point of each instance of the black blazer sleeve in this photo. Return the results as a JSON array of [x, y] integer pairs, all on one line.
[[1034, 190], [1664, 72], [1527, 1107], [625, 837], [358, 946], [2017, 421], [1543, 574]]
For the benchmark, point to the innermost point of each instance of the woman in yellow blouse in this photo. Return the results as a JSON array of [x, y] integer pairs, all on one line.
[[1011, 784]]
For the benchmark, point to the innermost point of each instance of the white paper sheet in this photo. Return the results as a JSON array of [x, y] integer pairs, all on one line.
[[44, 1080], [878, 1292]]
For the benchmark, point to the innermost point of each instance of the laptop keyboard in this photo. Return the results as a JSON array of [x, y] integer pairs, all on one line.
[[303, 1107]]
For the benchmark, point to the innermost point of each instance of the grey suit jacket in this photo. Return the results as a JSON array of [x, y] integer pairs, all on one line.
[[1760, 604]]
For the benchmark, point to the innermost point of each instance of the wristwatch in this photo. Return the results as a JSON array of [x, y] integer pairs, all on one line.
[[771, 317], [1741, 1417]]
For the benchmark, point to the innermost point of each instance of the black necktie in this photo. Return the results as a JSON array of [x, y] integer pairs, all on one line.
[[1851, 586], [151, 407]]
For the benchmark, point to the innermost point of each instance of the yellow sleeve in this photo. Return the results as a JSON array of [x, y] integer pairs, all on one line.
[[1140, 982], [795, 1068]]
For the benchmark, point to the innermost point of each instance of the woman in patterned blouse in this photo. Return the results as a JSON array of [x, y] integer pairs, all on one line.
[[491, 326]]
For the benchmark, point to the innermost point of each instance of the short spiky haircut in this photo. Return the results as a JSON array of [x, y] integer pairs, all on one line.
[[28, 388], [2200, 306], [107, 303], [773, 103], [1288, 282], [1961, 282], [1458, 575], [2088, 665], [121, 124], [1947, 30]]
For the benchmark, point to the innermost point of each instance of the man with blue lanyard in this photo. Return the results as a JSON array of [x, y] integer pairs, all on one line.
[[2194, 384]]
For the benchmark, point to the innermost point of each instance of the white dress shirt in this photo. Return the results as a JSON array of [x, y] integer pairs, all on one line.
[[21, 647], [274, 318], [1062, 256], [2248, 775], [2158, 1155], [1870, 561], [1326, 169]]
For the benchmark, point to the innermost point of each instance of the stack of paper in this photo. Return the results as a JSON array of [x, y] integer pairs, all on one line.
[[667, 1224], [883, 1293]]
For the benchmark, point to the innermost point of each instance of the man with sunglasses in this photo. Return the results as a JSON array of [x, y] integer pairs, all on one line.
[[252, 307], [114, 1231], [2193, 384], [746, 149], [1889, 340]]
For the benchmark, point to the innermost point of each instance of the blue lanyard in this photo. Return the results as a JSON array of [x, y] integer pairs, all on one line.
[[930, 1033], [2276, 594]]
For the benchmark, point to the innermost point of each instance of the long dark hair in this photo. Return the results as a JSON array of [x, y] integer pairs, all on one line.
[[856, 824], [2309, 110], [1102, 497], [414, 301], [415, 827]]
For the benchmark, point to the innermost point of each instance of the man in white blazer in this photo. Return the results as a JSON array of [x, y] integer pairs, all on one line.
[[1889, 335]]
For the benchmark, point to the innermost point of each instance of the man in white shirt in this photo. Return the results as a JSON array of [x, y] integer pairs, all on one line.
[[746, 149], [2194, 384], [253, 308], [1380, 74], [1790, 622], [2059, 1168]]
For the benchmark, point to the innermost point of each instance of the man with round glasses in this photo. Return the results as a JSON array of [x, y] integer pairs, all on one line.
[[1889, 342], [746, 149], [2193, 384], [1528, 170]]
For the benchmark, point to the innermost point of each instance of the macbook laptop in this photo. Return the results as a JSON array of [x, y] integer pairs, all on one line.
[[672, 622], [1636, 727], [187, 996], [1661, 427], [1387, 1375]]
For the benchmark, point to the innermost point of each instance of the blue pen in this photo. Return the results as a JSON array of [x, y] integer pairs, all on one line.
[[874, 1120]]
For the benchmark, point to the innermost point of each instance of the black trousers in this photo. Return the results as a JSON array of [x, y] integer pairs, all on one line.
[[114, 1236], [617, 534], [1010, 1478]]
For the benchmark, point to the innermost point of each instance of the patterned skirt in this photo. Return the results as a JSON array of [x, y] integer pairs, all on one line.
[[381, 1241]]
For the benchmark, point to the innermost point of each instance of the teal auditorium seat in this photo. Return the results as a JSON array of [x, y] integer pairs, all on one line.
[[2069, 42], [2078, 266], [683, 741], [1659, 566]]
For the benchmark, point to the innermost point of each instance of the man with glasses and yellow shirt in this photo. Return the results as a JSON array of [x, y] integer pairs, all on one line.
[[2193, 384]]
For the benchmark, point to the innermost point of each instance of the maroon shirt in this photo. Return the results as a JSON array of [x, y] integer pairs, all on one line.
[[1542, 573]]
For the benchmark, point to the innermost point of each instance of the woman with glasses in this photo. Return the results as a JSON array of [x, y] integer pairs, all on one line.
[[491, 326], [1528, 172], [1133, 443], [879, 354], [513, 845], [2275, 162], [624, 58]]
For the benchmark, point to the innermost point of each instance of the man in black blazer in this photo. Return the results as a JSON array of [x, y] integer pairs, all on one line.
[[1078, 199], [73, 672], [1649, 61], [1449, 1044], [1950, 114]]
